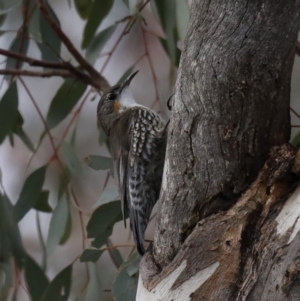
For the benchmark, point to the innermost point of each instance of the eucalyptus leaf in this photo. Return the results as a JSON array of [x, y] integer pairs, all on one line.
[[10, 238], [59, 288], [177, 51], [98, 12], [71, 159], [102, 221], [42, 202], [2, 19], [83, 7], [6, 279], [30, 193], [115, 254], [50, 45], [91, 255], [8, 111], [182, 18], [19, 45], [93, 289], [68, 228], [34, 27], [125, 283], [64, 101], [166, 10], [108, 195], [37, 281], [98, 42], [125, 75], [99, 162], [57, 226], [7, 5]]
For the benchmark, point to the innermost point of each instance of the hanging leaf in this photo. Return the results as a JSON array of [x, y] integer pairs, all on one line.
[[50, 45], [93, 289], [102, 222], [30, 193], [83, 7], [37, 281], [18, 130], [10, 238], [20, 45], [71, 159], [177, 54], [2, 19], [99, 162], [125, 283], [68, 228], [59, 288], [57, 226], [108, 195], [166, 10], [8, 111], [6, 279], [98, 12], [42, 202], [102, 136], [115, 254], [97, 44], [125, 75], [7, 5], [64, 101], [34, 27], [91, 255], [182, 18]]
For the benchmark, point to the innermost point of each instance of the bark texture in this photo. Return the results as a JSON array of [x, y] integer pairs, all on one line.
[[231, 107], [249, 253]]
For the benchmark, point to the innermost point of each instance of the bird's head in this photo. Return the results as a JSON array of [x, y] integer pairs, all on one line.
[[114, 102]]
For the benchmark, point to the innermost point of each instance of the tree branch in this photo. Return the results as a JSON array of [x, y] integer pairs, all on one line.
[[99, 81], [20, 72]]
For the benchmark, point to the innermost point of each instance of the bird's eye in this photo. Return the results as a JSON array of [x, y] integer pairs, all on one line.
[[112, 96]]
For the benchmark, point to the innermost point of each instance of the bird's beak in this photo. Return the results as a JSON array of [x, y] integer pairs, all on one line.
[[127, 82]]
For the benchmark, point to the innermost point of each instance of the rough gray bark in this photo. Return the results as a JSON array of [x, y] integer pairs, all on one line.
[[251, 252], [231, 106]]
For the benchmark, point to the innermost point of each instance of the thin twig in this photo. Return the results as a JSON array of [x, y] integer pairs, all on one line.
[[43, 121], [31, 61], [20, 72], [297, 114], [113, 49]]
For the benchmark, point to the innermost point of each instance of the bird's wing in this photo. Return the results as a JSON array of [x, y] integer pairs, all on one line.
[[119, 144]]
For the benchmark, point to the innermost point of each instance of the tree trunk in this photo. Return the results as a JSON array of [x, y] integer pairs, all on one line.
[[231, 108]]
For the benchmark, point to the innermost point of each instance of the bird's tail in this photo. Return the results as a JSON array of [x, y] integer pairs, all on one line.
[[138, 227]]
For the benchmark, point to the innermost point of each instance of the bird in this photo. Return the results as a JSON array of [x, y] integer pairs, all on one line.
[[136, 138]]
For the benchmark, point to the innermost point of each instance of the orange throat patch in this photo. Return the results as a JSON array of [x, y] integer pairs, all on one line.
[[117, 106]]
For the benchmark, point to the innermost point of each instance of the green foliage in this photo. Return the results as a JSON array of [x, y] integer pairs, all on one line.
[[36, 279], [99, 162], [8, 111], [100, 226], [30, 193], [50, 44], [7, 5], [97, 13], [64, 101], [126, 280], [61, 130], [59, 288], [71, 159], [19, 44], [98, 42], [58, 224]]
